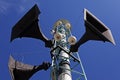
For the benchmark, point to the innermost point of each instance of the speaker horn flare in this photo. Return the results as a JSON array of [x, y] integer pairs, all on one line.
[[95, 30]]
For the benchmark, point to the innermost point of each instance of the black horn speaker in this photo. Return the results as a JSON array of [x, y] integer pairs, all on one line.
[[95, 30], [28, 26]]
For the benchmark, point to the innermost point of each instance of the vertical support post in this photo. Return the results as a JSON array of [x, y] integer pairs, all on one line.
[[60, 38], [64, 68], [63, 59]]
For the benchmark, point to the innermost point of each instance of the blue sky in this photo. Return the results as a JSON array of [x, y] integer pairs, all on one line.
[[100, 60]]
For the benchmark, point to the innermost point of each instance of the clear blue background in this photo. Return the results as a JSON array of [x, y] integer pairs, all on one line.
[[101, 60]]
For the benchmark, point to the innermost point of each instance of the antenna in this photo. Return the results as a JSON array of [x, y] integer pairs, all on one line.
[[63, 45]]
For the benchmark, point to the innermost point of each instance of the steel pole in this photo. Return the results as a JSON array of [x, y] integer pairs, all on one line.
[[60, 38], [64, 68]]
